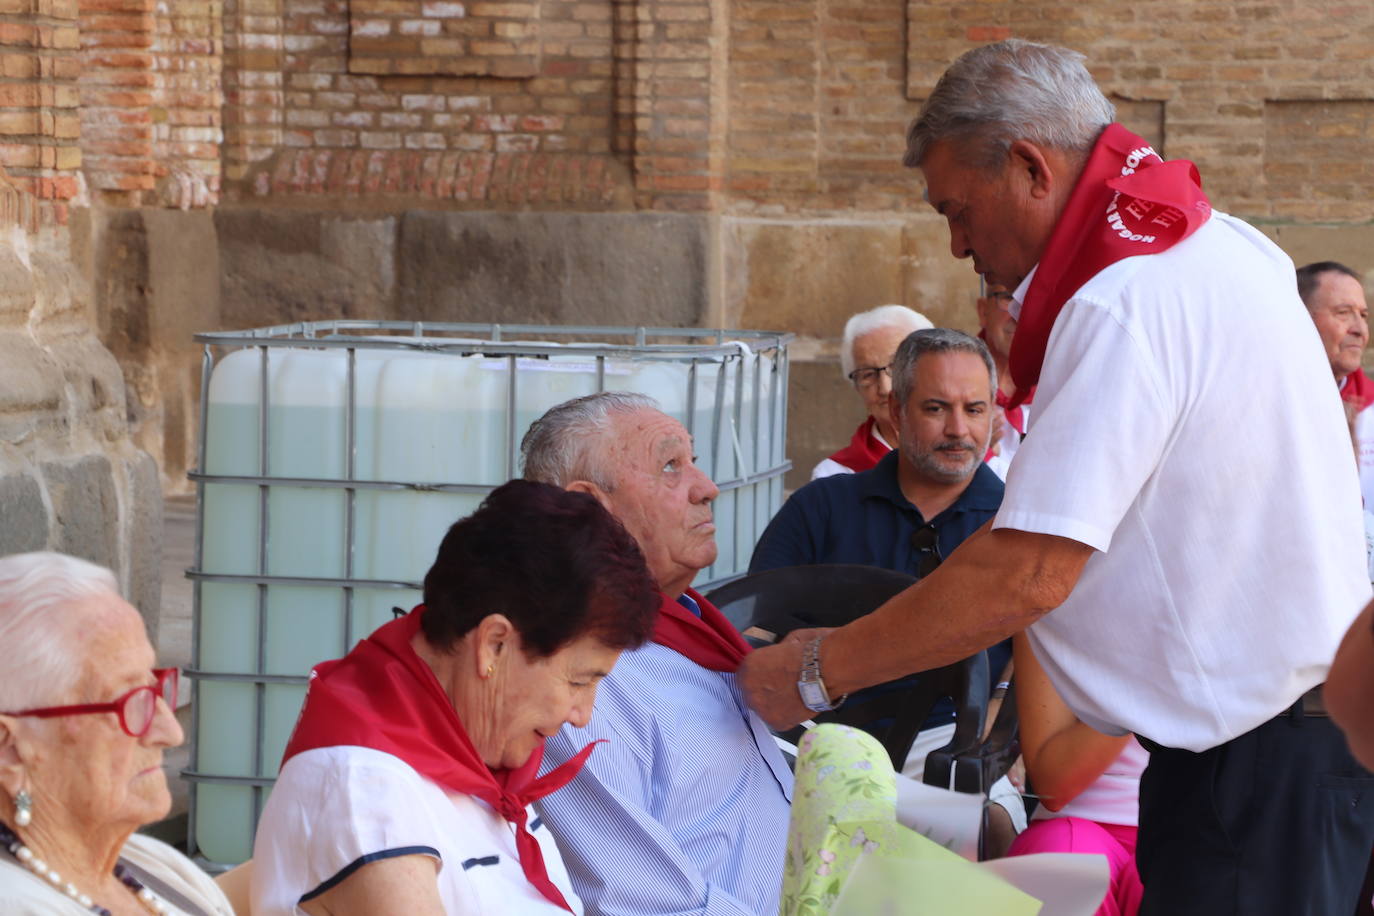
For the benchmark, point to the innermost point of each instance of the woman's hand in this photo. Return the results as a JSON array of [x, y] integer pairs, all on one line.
[[403, 886]]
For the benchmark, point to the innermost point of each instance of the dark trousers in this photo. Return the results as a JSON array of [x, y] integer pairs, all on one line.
[[1277, 821]]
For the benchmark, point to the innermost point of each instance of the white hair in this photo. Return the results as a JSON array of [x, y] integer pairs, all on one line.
[[884, 316], [1014, 89], [565, 443], [36, 651]]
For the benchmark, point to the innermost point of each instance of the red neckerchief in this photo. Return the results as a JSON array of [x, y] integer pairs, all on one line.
[[709, 640], [1015, 416], [863, 451], [383, 696], [1358, 388], [1127, 202]]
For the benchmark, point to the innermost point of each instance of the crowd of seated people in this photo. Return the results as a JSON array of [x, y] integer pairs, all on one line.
[[557, 727], [565, 725]]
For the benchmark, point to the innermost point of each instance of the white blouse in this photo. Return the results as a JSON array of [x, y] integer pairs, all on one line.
[[336, 809]]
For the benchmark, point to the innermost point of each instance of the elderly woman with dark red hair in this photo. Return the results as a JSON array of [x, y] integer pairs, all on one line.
[[407, 783]]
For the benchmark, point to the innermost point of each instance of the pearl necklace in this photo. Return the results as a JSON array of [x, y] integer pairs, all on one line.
[[151, 902]]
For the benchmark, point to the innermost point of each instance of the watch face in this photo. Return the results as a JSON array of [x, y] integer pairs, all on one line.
[[813, 696]]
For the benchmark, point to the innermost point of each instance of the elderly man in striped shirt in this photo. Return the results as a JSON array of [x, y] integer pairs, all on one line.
[[684, 810]]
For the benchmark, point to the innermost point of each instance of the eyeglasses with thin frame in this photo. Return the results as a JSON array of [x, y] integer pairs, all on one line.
[[925, 542], [136, 709], [868, 375]]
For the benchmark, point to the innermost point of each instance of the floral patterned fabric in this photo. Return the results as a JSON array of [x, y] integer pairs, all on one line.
[[844, 809]]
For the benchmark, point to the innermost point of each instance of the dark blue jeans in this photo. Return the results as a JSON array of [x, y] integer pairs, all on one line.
[[1277, 821]]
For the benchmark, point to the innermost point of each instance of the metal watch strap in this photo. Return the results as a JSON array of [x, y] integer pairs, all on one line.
[[811, 686]]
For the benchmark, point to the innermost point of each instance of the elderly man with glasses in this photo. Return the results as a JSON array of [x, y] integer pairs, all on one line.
[[997, 325], [870, 339], [921, 500]]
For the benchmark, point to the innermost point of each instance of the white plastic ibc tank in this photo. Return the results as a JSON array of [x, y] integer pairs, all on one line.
[[420, 418]]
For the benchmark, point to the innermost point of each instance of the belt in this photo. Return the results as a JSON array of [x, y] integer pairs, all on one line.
[[1311, 703]]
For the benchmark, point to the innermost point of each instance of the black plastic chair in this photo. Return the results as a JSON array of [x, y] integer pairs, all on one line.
[[766, 606], [769, 605]]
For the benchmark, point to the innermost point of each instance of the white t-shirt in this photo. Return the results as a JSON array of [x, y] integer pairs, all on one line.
[[1112, 798], [1230, 543], [1007, 445], [334, 809], [1364, 446]]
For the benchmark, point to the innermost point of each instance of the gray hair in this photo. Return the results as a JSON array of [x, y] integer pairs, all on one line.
[[884, 316], [565, 443], [935, 340], [35, 650], [1014, 89], [1310, 275]]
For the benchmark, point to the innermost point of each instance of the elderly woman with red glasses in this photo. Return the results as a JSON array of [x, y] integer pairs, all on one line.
[[84, 721]]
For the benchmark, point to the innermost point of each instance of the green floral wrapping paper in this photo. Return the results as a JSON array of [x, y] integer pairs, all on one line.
[[844, 807]]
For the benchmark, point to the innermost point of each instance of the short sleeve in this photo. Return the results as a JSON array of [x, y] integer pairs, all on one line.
[[1101, 425], [332, 811]]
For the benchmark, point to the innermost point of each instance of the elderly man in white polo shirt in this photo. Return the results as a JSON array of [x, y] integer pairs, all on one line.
[[1191, 588]]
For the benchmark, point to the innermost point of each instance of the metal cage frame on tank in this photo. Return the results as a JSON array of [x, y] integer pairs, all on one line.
[[260, 623]]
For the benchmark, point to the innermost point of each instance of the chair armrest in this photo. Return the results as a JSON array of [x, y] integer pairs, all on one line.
[[976, 769]]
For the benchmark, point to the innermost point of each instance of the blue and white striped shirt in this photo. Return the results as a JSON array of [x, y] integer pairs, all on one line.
[[685, 810]]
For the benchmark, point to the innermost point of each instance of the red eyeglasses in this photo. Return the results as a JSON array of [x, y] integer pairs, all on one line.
[[136, 709]]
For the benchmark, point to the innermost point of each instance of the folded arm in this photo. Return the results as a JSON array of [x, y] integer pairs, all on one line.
[[1063, 755]]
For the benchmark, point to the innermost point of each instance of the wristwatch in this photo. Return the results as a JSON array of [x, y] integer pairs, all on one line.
[[811, 686]]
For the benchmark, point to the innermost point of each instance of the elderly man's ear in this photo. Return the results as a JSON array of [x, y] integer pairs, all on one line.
[[586, 486]]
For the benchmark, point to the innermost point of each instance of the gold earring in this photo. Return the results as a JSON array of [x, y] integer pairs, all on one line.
[[491, 669]]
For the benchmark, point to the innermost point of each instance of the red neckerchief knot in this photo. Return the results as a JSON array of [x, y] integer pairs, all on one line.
[[709, 640], [1127, 202], [1358, 389], [383, 696]]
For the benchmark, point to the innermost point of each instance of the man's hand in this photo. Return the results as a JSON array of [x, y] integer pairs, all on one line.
[[769, 678]]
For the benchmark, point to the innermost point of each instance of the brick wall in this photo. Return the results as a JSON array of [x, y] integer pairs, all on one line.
[[150, 100], [39, 128], [302, 119], [186, 113], [1271, 99]]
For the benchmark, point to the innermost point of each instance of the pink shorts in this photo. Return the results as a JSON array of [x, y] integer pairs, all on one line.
[[1074, 834]]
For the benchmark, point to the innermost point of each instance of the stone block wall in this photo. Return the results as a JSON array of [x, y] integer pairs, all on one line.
[[70, 477]]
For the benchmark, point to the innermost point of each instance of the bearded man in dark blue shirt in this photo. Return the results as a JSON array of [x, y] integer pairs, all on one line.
[[922, 499], [927, 495]]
